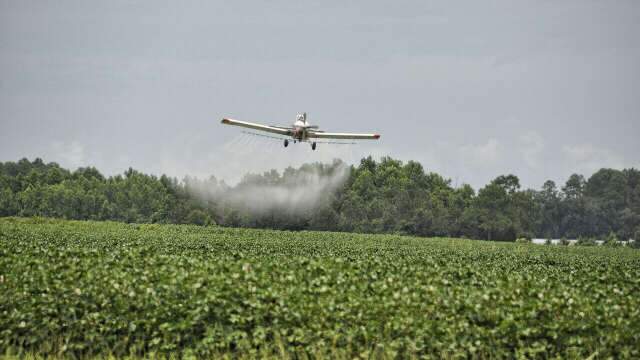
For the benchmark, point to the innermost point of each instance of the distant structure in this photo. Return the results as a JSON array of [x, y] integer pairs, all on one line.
[[574, 241]]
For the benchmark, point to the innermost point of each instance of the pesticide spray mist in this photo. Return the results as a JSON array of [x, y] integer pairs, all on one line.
[[295, 194]]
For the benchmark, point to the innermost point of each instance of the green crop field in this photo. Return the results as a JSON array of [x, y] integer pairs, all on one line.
[[88, 289]]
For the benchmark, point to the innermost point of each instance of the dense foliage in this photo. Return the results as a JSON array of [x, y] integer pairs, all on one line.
[[88, 288], [385, 196]]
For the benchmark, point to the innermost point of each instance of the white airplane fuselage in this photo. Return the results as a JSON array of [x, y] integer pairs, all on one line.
[[300, 130], [300, 127]]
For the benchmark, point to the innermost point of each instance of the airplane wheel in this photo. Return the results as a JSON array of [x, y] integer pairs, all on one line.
[[313, 146], [286, 143]]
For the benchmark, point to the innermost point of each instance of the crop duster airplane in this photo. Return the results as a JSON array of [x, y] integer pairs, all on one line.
[[301, 131]]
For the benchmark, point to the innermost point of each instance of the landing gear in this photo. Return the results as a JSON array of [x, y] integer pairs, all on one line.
[[286, 142], [313, 146]]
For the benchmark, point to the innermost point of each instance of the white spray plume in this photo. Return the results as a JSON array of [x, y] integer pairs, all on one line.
[[296, 191]]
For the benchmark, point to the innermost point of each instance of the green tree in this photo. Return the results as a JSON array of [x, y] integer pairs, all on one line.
[[198, 217], [550, 207], [491, 203]]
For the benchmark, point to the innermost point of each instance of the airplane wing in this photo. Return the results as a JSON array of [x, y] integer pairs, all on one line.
[[328, 135], [271, 129]]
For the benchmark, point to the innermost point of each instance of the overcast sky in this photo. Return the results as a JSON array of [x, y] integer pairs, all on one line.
[[471, 89]]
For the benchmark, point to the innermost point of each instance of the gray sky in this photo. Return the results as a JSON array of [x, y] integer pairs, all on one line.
[[471, 89]]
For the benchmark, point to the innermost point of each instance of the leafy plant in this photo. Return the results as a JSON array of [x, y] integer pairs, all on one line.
[[99, 289], [612, 240], [586, 241]]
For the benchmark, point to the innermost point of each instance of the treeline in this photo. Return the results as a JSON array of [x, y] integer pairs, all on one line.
[[386, 196]]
